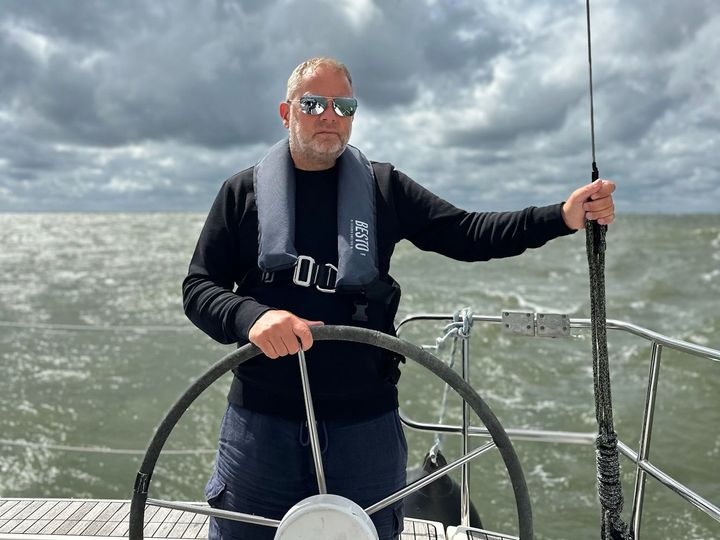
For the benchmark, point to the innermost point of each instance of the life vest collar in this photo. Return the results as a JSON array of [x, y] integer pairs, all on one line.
[[274, 180]]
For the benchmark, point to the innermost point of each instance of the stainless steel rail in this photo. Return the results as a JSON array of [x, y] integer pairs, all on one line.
[[641, 459], [568, 437], [686, 493], [465, 471], [644, 451], [612, 324]]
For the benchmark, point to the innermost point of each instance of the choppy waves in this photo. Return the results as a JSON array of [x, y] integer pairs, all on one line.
[[121, 274]]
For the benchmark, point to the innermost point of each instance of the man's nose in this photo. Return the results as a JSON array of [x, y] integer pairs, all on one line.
[[329, 112]]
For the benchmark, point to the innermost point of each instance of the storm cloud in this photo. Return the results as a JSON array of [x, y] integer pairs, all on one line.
[[140, 105]]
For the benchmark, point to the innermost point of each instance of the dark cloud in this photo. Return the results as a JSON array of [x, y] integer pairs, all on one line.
[[531, 110], [410, 48], [87, 22], [174, 70], [661, 27], [632, 112], [149, 105]]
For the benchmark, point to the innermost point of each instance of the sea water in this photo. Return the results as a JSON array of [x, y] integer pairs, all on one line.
[[94, 348]]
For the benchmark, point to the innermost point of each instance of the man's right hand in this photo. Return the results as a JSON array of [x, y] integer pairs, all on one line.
[[276, 333]]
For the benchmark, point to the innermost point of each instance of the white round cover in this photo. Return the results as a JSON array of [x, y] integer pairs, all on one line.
[[326, 517]]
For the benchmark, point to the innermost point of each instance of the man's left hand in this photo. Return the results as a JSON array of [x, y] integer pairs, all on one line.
[[591, 202]]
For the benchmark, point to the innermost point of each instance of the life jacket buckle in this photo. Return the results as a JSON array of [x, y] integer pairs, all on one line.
[[329, 280], [360, 311], [298, 274]]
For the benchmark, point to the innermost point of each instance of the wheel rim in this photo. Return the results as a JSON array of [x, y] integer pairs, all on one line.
[[337, 333]]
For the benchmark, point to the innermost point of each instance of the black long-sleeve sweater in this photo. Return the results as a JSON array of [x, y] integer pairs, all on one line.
[[223, 297]]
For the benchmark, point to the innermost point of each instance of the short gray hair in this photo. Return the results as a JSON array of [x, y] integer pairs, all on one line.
[[311, 65]]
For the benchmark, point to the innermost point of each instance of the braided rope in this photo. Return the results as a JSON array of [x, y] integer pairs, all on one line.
[[608, 461]]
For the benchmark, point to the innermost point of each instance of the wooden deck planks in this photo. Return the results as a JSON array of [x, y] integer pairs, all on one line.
[[74, 518]]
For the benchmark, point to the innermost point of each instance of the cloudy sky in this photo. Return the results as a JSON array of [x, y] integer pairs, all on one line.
[[150, 105]]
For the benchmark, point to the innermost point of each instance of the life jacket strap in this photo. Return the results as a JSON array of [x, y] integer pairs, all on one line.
[[306, 273]]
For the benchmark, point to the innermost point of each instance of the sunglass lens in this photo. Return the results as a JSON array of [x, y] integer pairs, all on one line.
[[313, 105], [345, 106]]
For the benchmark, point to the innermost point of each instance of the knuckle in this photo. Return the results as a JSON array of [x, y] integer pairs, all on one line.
[[277, 323]]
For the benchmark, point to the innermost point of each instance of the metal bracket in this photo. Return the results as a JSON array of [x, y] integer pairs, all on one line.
[[525, 323], [552, 325], [520, 323]]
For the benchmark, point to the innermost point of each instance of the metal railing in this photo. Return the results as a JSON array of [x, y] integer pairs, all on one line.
[[544, 324]]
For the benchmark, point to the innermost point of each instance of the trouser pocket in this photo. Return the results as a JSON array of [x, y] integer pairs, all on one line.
[[214, 491]]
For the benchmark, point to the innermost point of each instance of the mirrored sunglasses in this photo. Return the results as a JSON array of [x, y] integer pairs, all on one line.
[[316, 105]]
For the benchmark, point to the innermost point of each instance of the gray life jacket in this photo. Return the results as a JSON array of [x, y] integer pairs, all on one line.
[[274, 181]]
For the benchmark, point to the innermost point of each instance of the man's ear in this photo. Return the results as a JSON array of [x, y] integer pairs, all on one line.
[[285, 113]]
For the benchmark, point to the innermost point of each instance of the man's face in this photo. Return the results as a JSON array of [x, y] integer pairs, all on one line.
[[317, 141]]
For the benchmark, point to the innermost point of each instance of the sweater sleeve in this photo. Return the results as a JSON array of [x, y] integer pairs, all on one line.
[[433, 224], [208, 297]]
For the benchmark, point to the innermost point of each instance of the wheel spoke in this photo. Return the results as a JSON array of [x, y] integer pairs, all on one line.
[[214, 512], [311, 424], [425, 480]]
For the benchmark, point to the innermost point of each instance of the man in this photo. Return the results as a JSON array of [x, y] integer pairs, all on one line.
[[305, 238]]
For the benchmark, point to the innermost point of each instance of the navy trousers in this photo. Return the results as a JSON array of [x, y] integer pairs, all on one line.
[[264, 466]]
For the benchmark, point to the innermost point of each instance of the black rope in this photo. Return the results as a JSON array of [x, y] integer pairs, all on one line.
[[608, 461]]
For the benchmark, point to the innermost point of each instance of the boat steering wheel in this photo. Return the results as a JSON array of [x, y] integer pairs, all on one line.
[[335, 508]]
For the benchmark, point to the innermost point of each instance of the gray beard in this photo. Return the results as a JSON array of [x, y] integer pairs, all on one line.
[[309, 155]]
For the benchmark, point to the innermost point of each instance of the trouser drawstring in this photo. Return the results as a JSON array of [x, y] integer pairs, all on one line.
[[304, 435]]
